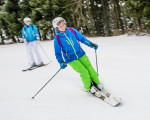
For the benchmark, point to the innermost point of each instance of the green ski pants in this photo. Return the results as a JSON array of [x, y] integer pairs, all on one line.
[[87, 72]]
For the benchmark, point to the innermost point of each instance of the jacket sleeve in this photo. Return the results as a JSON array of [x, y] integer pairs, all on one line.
[[36, 31], [57, 49], [23, 34], [81, 38]]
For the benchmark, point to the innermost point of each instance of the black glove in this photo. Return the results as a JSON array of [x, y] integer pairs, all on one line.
[[63, 64], [95, 46]]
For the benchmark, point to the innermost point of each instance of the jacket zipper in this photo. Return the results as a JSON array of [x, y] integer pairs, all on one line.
[[72, 45], [29, 33]]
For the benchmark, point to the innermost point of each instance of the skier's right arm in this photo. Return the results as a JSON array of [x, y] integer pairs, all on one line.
[[58, 53], [23, 35]]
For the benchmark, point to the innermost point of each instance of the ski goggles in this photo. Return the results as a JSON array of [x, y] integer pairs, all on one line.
[[60, 23], [28, 21]]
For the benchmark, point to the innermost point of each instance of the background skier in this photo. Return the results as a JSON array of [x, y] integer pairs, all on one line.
[[30, 36]]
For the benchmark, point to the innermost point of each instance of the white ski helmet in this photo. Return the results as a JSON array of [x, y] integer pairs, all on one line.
[[56, 20], [26, 19]]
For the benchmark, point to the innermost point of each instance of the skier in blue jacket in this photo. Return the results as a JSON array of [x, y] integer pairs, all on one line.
[[30, 36], [67, 42]]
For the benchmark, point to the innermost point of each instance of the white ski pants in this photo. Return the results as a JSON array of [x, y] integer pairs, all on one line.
[[33, 46]]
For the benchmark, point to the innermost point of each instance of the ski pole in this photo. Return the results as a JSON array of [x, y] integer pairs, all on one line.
[[45, 84], [44, 51], [96, 62]]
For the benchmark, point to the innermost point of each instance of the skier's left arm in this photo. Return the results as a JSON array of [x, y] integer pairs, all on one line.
[[85, 41], [36, 32]]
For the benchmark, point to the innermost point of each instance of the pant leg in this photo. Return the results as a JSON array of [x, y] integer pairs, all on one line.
[[29, 48], [87, 64], [35, 48], [85, 77]]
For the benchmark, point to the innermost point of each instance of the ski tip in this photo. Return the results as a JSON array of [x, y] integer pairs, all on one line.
[[32, 98], [47, 64], [118, 104], [25, 70]]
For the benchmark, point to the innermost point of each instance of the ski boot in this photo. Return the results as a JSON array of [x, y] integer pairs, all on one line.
[[33, 65], [41, 64], [94, 91]]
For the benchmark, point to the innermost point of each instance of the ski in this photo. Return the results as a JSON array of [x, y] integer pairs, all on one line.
[[107, 98], [32, 68], [109, 95]]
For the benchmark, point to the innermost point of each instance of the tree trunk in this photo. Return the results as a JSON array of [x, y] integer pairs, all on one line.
[[135, 27], [108, 33], [13, 39], [95, 16], [91, 26], [124, 18], [44, 37], [114, 15], [40, 35], [2, 38], [140, 25], [119, 16], [115, 10]]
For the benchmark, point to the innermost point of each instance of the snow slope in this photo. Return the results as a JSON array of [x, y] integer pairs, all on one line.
[[124, 67]]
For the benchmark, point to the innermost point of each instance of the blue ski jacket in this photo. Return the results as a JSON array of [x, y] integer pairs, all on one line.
[[71, 48], [30, 33]]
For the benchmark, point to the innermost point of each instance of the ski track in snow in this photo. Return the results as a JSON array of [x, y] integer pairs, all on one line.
[[124, 66]]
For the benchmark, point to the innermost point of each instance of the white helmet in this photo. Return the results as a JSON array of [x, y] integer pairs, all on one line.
[[26, 19], [56, 20]]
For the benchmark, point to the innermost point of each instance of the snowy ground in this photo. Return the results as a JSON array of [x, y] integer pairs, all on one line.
[[124, 67]]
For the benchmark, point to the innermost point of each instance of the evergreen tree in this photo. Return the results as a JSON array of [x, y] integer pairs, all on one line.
[[44, 11], [95, 17], [11, 18], [25, 10], [139, 11]]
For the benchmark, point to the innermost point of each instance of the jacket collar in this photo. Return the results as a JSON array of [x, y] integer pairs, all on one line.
[[61, 34], [29, 25]]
